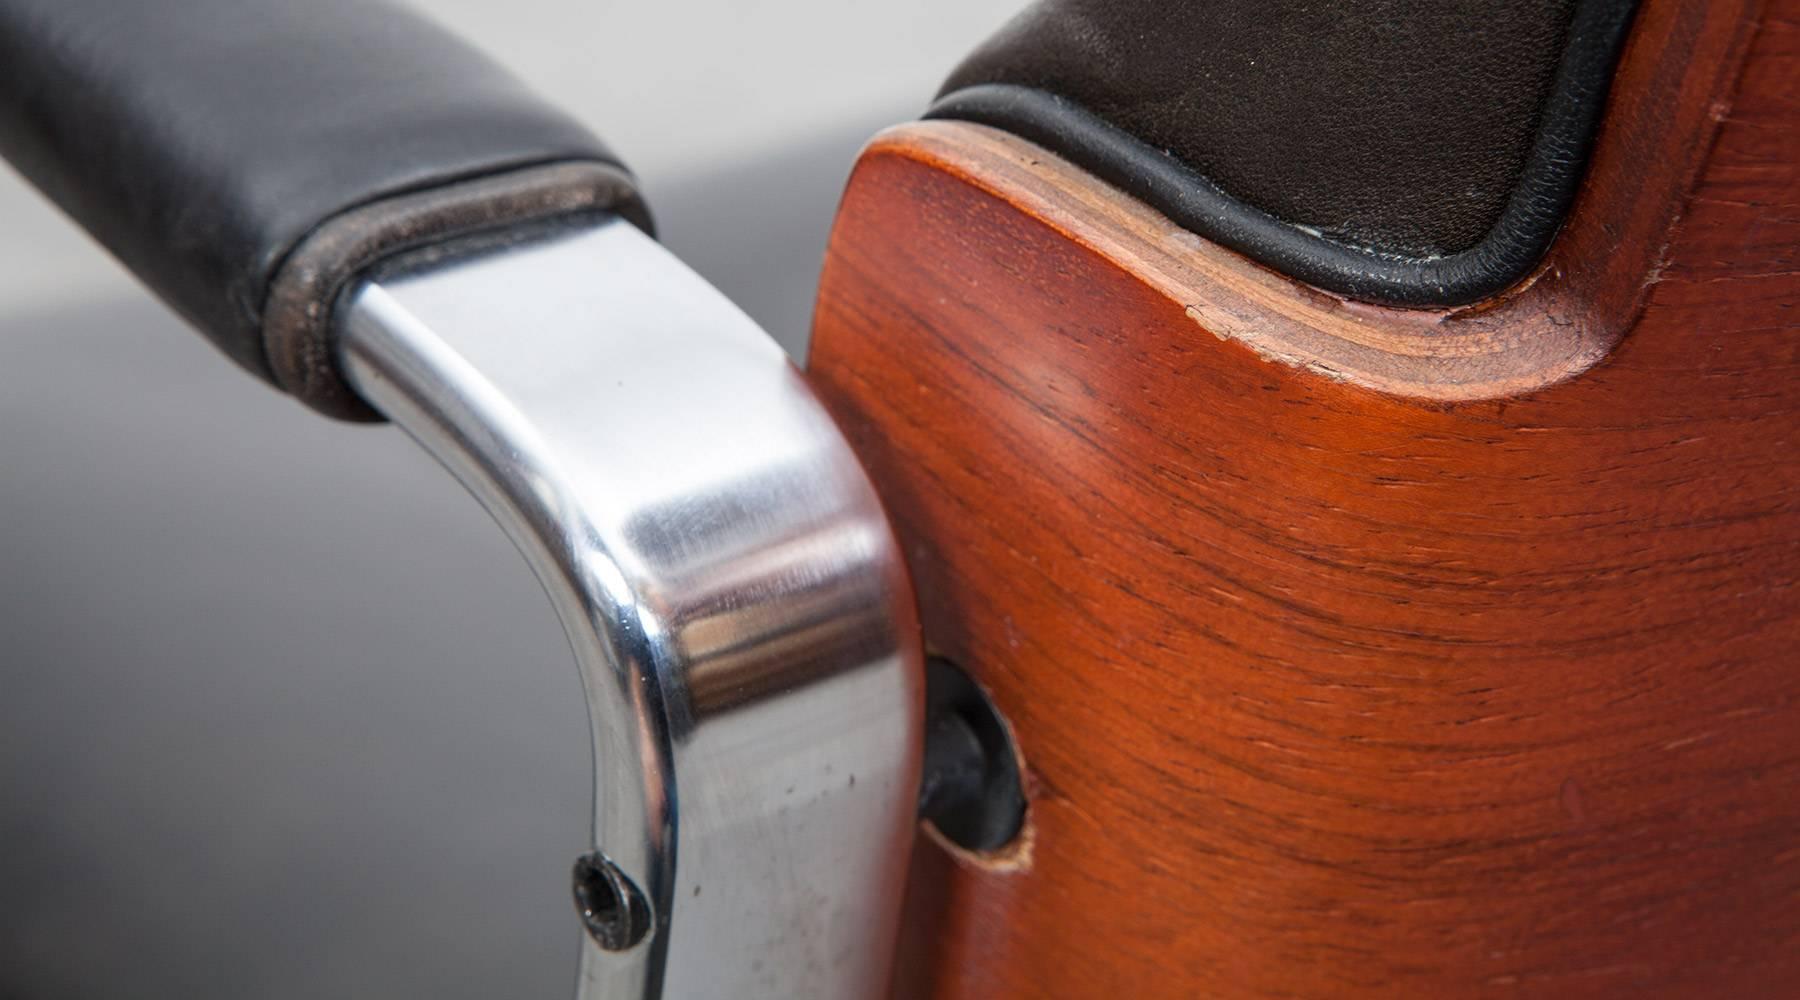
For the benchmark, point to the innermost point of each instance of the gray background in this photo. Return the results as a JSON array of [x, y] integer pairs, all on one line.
[[281, 715]]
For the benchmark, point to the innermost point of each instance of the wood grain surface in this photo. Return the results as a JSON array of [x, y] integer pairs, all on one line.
[[1339, 672]]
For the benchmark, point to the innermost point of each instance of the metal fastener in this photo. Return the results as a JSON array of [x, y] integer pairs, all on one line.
[[612, 908]]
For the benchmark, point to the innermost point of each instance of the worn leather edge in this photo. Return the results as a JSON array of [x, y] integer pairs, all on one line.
[[1533, 215], [299, 313]]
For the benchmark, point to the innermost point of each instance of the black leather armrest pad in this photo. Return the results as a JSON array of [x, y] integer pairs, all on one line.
[[201, 141]]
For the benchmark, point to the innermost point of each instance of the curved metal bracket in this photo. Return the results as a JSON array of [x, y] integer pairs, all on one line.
[[736, 603]]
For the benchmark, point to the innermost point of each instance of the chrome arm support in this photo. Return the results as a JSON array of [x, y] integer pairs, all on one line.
[[735, 601]]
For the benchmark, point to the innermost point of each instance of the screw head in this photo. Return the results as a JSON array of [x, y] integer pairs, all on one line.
[[614, 911]]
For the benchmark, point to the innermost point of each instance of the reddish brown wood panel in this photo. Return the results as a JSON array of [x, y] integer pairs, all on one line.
[[1326, 691]]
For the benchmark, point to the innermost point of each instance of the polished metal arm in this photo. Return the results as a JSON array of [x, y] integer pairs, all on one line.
[[736, 603]]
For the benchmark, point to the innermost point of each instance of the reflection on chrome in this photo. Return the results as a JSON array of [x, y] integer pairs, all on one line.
[[735, 601]]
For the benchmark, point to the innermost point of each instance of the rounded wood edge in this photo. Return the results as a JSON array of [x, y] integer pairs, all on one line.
[[1556, 324], [1425, 354]]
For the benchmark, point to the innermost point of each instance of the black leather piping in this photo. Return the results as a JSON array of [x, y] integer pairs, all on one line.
[[1519, 238]]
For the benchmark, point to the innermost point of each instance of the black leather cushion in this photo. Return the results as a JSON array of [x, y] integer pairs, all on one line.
[[1412, 151]]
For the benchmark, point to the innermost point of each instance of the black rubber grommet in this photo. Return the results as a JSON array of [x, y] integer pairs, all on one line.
[[970, 787]]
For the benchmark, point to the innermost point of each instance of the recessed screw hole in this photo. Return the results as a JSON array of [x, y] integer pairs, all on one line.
[[612, 909]]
